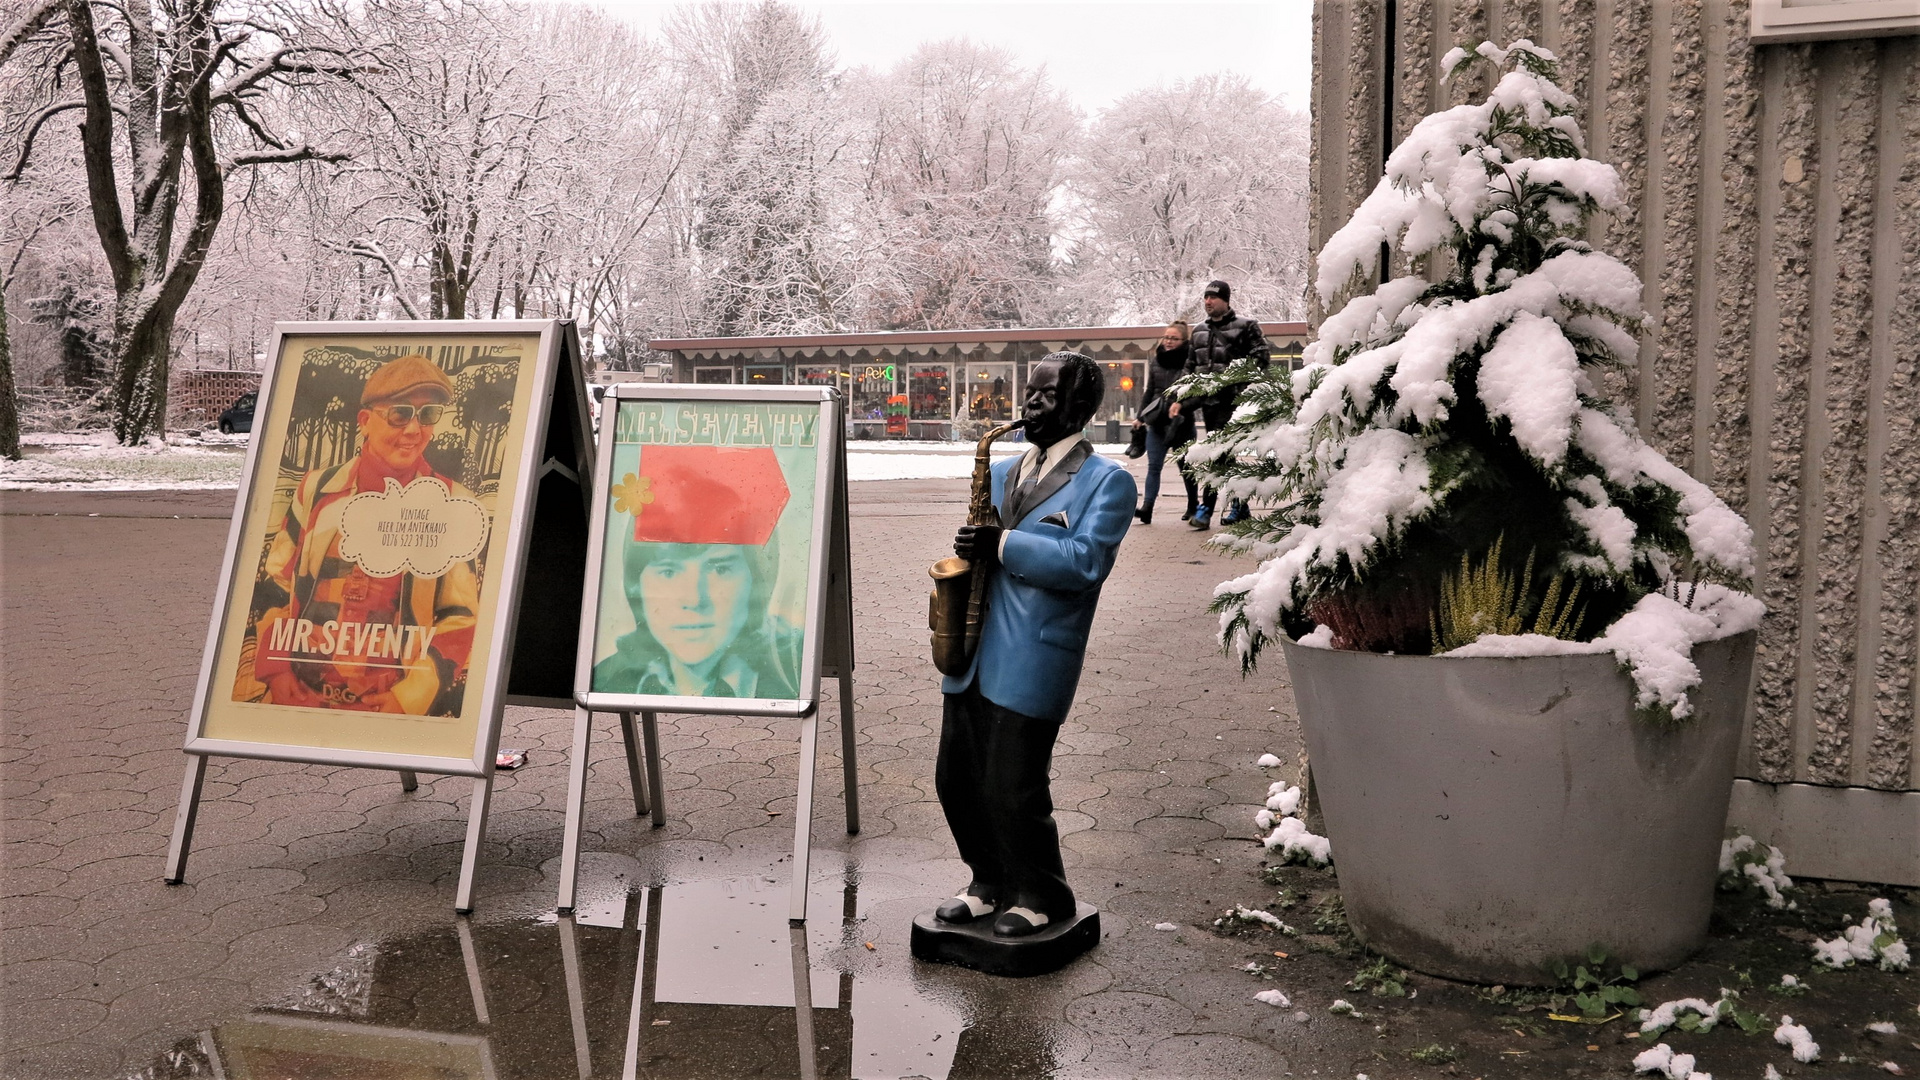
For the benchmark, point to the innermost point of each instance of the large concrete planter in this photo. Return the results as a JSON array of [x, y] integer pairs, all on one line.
[[1491, 815]]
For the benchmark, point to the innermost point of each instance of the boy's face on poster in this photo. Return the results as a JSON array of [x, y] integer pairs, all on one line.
[[694, 599], [398, 431]]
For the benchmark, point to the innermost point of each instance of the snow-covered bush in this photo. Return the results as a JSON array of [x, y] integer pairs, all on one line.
[[1742, 863], [1874, 938], [1456, 407]]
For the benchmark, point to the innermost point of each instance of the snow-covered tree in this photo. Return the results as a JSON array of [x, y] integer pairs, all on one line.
[[1437, 424], [965, 156], [764, 248], [1181, 184], [168, 93]]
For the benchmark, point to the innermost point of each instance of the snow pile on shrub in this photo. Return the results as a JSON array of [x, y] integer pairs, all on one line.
[[1296, 844], [1289, 834], [1797, 1037], [1741, 862], [1661, 1059], [1431, 418], [1654, 642], [1669, 1013], [1874, 938]]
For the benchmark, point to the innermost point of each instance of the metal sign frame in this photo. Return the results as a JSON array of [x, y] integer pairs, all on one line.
[[558, 344], [827, 649]]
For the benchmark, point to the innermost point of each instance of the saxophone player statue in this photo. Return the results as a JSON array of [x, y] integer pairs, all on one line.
[[1063, 510]]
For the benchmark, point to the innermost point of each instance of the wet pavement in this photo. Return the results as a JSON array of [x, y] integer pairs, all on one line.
[[315, 936]]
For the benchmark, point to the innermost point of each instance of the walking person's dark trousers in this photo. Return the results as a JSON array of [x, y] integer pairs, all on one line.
[[1156, 460], [1216, 417], [991, 777]]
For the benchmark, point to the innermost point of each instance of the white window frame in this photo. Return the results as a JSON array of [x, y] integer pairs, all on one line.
[[1817, 20]]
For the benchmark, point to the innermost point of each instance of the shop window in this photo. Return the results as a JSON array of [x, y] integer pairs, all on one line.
[[1126, 382], [816, 375], [872, 385], [766, 375], [713, 374], [930, 391], [989, 392]]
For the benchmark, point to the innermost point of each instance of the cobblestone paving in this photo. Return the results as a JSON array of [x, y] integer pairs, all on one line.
[[106, 968]]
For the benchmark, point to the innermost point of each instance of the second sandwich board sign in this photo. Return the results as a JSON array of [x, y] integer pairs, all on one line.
[[717, 576], [406, 486]]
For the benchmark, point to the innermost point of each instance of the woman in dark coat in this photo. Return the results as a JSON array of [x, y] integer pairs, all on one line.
[[1165, 432]]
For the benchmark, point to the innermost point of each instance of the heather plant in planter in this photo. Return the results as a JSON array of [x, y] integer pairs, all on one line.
[[1451, 425], [1516, 634]]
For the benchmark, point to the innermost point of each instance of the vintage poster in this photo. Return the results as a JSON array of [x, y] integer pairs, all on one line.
[[708, 547], [273, 1047], [366, 582]]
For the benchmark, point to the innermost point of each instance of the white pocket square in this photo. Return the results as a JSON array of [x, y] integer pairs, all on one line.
[[1059, 519]]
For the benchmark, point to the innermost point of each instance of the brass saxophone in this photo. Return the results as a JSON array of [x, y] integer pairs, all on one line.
[[957, 606]]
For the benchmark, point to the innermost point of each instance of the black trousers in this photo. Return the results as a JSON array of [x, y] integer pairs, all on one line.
[[992, 781], [1216, 415]]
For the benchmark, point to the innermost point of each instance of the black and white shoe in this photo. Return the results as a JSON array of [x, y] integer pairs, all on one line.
[[1019, 922], [964, 908]]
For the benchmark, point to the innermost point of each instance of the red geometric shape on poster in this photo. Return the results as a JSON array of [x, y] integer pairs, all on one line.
[[710, 495]]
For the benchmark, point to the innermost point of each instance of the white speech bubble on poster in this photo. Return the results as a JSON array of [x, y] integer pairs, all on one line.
[[423, 527]]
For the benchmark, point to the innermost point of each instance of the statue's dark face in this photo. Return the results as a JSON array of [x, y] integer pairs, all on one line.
[[1047, 406]]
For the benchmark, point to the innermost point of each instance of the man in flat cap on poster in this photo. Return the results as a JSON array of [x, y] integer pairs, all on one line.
[[1063, 511], [700, 567], [304, 576]]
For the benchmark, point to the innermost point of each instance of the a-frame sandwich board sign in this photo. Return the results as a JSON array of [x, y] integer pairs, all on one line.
[[409, 487], [717, 580]]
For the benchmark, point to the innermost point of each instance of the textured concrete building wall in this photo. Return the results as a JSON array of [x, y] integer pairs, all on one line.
[[1774, 213]]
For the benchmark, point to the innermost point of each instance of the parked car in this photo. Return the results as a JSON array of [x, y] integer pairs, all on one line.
[[238, 416]]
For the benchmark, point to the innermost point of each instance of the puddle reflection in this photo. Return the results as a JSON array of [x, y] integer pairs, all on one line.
[[692, 979]]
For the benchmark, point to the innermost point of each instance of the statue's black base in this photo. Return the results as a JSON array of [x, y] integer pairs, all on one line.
[[973, 945]]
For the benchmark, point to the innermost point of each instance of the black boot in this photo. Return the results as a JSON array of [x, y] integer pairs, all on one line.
[[1145, 515]]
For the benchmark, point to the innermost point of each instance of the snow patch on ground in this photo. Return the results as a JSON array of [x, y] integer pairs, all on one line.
[[1273, 997], [1245, 914], [1797, 1037], [92, 461], [1661, 1059]]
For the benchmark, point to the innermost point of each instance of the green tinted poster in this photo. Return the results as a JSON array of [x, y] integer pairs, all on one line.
[[707, 550]]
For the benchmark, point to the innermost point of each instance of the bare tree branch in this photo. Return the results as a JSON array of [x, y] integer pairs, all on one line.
[[303, 152], [38, 14]]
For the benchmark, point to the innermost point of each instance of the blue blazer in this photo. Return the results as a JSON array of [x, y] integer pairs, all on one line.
[[1040, 601]]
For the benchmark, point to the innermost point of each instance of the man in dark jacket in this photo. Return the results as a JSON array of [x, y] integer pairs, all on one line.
[[1224, 338]]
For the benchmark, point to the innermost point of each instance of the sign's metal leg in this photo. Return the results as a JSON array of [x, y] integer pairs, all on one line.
[[639, 1017], [849, 767], [634, 779], [576, 808], [803, 1003], [476, 828], [576, 997], [803, 816], [656, 787], [408, 781], [183, 819], [471, 957]]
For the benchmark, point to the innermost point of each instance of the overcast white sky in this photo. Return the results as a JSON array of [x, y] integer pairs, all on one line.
[[1094, 51]]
